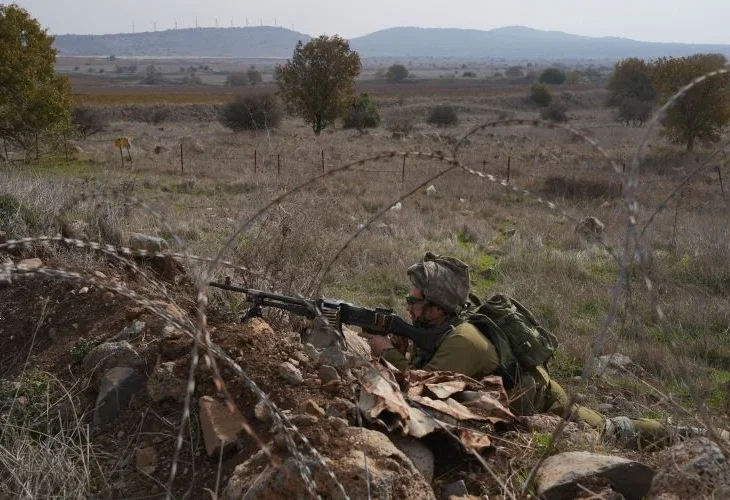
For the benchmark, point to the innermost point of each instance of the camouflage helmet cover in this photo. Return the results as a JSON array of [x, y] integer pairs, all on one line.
[[444, 281]]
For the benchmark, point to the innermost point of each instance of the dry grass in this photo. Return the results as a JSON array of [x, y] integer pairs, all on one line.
[[513, 243]]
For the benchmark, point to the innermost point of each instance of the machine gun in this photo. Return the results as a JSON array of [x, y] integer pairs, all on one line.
[[378, 321]]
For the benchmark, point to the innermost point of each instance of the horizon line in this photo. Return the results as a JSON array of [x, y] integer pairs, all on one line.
[[605, 37]]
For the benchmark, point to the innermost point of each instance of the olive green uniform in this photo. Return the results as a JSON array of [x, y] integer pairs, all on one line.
[[466, 350]]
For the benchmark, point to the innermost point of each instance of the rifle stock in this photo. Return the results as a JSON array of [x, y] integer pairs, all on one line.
[[378, 321]]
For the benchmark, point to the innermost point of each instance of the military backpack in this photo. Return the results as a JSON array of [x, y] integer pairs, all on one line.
[[519, 339]]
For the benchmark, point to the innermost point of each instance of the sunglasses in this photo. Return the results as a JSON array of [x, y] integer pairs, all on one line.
[[412, 301]]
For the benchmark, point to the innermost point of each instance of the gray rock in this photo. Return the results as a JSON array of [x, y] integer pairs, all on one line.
[[312, 408], [390, 474], [129, 332], [311, 352], [221, 428], [419, 453], [321, 335], [261, 412], [455, 489], [164, 384], [30, 264], [110, 355], [333, 356], [560, 475], [290, 373], [139, 241], [327, 374], [340, 407], [694, 469], [118, 385], [613, 364]]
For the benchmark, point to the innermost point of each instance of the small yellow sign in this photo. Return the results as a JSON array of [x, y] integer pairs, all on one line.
[[122, 142]]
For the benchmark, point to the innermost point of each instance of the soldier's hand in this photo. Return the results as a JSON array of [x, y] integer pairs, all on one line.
[[378, 343], [400, 343]]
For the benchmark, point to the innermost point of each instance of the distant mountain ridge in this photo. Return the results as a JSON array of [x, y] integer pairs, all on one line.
[[253, 42], [515, 42]]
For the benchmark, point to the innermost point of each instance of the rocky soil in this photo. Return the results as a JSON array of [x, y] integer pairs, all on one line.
[[127, 372]]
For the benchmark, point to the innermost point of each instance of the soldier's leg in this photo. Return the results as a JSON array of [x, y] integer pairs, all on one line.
[[559, 404]]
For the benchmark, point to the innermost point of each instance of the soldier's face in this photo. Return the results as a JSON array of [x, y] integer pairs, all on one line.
[[420, 311], [415, 304]]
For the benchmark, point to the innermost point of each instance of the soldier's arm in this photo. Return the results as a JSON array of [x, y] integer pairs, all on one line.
[[395, 358], [459, 354]]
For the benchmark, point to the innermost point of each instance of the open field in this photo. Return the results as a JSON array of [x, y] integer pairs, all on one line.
[[513, 240]]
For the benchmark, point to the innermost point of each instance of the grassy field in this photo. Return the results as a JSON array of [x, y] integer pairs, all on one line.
[[513, 241]]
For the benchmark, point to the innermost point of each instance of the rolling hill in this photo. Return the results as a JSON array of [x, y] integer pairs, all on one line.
[[273, 42]]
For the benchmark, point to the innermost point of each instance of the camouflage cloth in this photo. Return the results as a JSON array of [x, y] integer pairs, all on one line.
[[444, 281], [465, 350]]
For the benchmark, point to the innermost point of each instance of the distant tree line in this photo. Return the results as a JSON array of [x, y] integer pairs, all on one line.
[[636, 87]]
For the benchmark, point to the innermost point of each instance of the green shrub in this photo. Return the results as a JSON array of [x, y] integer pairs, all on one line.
[[556, 112], [632, 111], [89, 121], [254, 76], [363, 114], [443, 115], [81, 348], [553, 76], [396, 73], [254, 112], [541, 95], [237, 79], [155, 114]]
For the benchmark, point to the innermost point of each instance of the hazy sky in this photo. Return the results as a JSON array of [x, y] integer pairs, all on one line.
[[700, 21]]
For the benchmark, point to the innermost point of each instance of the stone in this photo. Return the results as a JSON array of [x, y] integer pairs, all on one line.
[[695, 468], [560, 475], [455, 489], [164, 384], [117, 386], [221, 428], [431, 190], [110, 355], [133, 313], [261, 412], [327, 373], [340, 407], [146, 459], [333, 388], [300, 356], [30, 264], [129, 332], [145, 242], [613, 364], [421, 456], [301, 420], [312, 383], [290, 373], [311, 352], [389, 473], [340, 425], [333, 356], [312, 408]]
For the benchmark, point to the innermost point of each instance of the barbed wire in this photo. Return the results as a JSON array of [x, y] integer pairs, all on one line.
[[202, 343]]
